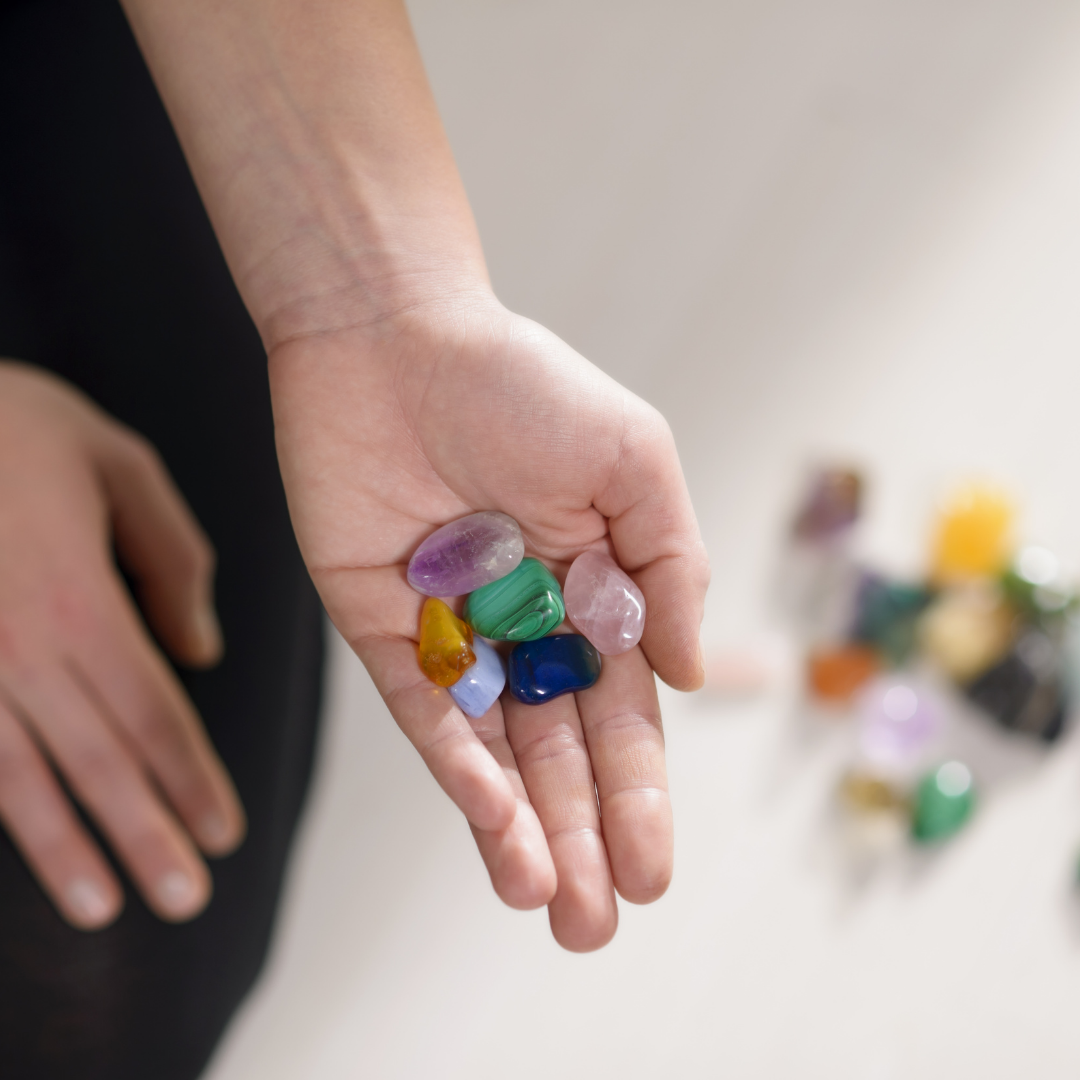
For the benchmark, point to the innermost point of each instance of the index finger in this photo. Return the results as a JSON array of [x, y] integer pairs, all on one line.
[[376, 611]]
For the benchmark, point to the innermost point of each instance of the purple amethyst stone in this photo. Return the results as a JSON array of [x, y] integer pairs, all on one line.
[[467, 553]]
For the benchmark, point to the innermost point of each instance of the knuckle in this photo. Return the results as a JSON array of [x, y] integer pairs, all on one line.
[[635, 795], [487, 731], [158, 739], [12, 645], [195, 558], [94, 767], [17, 766], [72, 611], [58, 842], [399, 699], [149, 732], [443, 737], [147, 842], [548, 748], [574, 831], [700, 570], [635, 725]]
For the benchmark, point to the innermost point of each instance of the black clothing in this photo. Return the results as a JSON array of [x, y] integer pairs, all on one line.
[[111, 276]]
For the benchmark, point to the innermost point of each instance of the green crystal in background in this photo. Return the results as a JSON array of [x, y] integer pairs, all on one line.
[[523, 606], [943, 802]]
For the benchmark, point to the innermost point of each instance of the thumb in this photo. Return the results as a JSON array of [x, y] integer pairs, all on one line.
[[161, 545]]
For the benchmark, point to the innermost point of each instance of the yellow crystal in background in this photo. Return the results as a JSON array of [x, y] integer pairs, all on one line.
[[973, 536], [445, 644]]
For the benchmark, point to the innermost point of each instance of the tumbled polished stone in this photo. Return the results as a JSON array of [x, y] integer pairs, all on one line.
[[1025, 691], [886, 615], [973, 535], [868, 793], [522, 606], [445, 649], [944, 800], [604, 603], [467, 554], [549, 667], [899, 719], [875, 818], [835, 673], [832, 505], [967, 629], [479, 687]]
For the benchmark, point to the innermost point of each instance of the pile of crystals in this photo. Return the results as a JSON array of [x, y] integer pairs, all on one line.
[[515, 599], [990, 624]]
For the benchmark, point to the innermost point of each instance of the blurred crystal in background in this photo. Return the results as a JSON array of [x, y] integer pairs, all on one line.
[[985, 623]]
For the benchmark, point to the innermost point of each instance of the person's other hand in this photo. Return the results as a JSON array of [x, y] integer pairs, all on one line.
[[385, 433], [84, 690]]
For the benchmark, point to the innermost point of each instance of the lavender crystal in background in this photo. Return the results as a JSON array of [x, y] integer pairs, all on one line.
[[467, 553], [900, 720]]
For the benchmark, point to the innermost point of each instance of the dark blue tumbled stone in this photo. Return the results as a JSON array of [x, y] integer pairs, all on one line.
[[548, 667]]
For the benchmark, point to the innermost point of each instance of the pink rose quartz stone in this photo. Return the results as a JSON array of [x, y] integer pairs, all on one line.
[[604, 603]]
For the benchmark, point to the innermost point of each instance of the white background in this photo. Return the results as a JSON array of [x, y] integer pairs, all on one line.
[[838, 229]]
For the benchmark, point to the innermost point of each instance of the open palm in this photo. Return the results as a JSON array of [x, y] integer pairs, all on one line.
[[386, 432]]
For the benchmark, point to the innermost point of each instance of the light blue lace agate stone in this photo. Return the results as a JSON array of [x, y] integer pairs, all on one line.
[[475, 692]]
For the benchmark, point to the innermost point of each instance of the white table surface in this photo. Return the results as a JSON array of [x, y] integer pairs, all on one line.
[[834, 230]]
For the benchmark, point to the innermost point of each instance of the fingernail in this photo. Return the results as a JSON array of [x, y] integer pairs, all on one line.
[[88, 902], [214, 830], [178, 894], [207, 632]]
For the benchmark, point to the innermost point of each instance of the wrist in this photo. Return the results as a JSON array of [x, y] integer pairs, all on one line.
[[352, 246], [317, 286], [328, 177]]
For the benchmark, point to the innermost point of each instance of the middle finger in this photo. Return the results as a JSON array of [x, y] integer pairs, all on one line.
[[550, 749], [131, 684]]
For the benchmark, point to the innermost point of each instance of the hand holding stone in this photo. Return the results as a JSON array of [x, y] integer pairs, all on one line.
[[388, 432]]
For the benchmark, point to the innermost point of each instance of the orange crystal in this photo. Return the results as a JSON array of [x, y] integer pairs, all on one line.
[[445, 641], [835, 674]]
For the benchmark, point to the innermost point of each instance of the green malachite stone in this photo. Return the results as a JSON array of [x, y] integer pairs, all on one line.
[[943, 802], [523, 606]]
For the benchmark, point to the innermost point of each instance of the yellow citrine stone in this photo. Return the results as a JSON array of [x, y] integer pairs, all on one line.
[[973, 535], [445, 644]]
